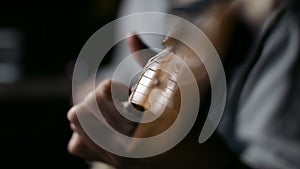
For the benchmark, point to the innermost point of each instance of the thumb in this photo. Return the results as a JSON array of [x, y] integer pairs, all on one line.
[[135, 45]]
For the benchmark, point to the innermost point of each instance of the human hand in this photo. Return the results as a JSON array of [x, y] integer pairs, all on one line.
[[188, 152], [80, 143]]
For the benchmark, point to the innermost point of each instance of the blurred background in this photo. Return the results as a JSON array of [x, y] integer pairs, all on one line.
[[39, 42]]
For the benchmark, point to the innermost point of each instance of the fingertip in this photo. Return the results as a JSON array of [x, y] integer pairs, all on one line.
[[135, 43], [131, 41], [130, 34]]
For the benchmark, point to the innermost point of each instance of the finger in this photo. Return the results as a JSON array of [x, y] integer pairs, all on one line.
[[103, 94], [84, 148], [112, 90], [72, 117], [135, 45], [106, 92], [78, 147], [72, 114], [102, 101]]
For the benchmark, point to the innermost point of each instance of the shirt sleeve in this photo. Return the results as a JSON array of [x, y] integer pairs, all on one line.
[[268, 110]]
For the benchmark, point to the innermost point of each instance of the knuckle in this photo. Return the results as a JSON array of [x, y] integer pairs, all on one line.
[[75, 145], [72, 116], [104, 88]]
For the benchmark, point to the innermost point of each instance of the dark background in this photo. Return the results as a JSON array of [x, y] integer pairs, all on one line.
[[34, 127]]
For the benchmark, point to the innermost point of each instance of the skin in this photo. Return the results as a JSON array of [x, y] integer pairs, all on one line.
[[187, 154], [80, 144]]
